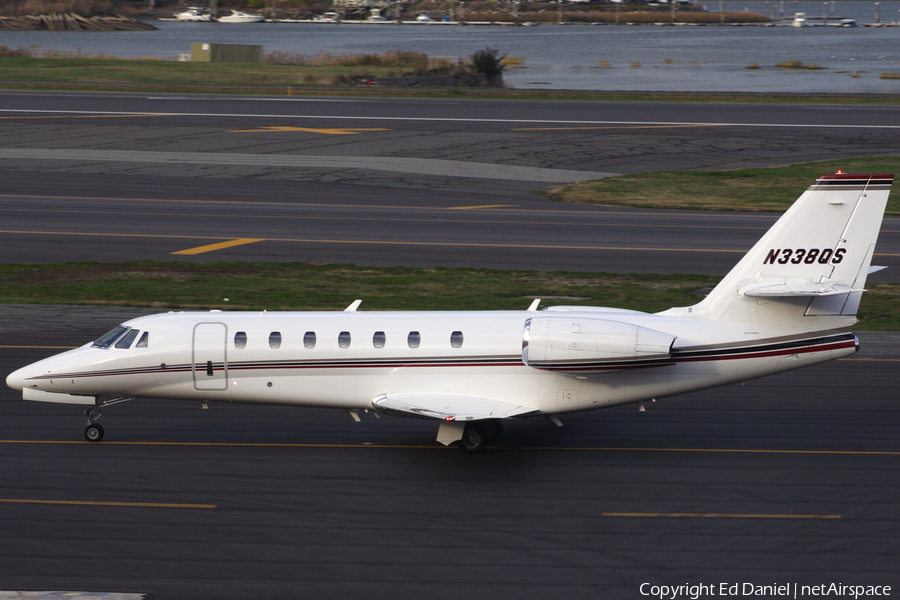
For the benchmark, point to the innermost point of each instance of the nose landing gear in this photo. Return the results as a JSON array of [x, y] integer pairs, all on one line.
[[94, 432]]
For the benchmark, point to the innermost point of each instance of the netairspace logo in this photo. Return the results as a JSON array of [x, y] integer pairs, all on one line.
[[787, 590]]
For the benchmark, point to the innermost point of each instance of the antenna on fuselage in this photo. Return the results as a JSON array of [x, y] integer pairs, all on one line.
[[354, 306]]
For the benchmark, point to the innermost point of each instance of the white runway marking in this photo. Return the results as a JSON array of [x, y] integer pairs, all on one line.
[[451, 119]]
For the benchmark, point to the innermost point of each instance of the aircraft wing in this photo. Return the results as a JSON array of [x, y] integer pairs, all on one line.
[[448, 407]]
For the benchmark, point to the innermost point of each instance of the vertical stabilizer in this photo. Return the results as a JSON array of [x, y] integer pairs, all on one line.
[[812, 263]]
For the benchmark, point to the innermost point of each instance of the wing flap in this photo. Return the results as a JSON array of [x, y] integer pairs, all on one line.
[[448, 407]]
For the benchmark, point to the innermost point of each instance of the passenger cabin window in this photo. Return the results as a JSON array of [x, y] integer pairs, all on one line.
[[344, 339], [378, 339], [127, 339], [456, 339], [107, 339], [413, 339], [144, 341], [240, 339], [275, 339], [309, 339]]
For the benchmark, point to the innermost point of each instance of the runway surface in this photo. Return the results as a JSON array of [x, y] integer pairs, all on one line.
[[784, 479], [787, 479]]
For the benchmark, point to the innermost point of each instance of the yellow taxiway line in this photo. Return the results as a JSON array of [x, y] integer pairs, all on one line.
[[92, 503], [722, 515], [483, 206], [383, 242], [674, 212], [390, 242], [692, 125], [341, 131], [219, 246]]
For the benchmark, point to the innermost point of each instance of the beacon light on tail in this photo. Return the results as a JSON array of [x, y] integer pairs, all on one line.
[[790, 302]]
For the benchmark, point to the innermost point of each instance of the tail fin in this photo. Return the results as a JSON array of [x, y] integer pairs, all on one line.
[[812, 263]]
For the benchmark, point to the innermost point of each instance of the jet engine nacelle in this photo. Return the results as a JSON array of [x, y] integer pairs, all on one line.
[[571, 344]]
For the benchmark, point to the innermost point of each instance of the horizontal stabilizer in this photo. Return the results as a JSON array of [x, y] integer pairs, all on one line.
[[39, 396], [876, 268], [806, 289], [447, 407]]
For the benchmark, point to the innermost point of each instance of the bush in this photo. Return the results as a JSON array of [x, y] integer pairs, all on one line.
[[488, 61], [7, 52]]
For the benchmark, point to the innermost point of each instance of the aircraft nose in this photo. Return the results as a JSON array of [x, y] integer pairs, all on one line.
[[16, 379]]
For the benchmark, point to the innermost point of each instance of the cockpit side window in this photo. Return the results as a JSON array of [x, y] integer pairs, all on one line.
[[127, 339], [144, 341], [106, 340]]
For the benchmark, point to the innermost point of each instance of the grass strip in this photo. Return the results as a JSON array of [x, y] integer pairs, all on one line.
[[301, 286], [764, 189], [162, 76]]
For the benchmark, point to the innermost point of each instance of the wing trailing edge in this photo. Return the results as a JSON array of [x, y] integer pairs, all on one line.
[[448, 407]]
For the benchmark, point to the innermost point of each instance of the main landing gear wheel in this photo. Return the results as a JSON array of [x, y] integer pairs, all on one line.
[[494, 429], [93, 432], [474, 439]]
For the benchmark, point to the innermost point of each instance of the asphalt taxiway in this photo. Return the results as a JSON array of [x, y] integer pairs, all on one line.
[[789, 479]]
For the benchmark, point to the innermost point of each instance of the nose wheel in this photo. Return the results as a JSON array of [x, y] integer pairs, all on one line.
[[93, 432]]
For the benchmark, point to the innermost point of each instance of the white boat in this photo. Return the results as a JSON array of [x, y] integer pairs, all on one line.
[[423, 18], [375, 16], [237, 16], [193, 14], [329, 17], [800, 20]]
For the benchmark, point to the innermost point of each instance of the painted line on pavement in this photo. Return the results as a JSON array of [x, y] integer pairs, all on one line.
[[219, 246], [721, 515], [612, 127], [391, 242], [483, 206], [386, 242], [92, 503], [309, 130], [433, 119]]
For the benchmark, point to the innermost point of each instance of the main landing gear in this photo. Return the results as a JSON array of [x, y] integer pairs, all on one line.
[[478, 434]]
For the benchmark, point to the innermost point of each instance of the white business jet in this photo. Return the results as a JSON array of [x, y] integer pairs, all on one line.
[[790, 302]]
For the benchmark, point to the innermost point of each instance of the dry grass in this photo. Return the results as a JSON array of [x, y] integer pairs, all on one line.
[[512, 61], [798, 65], [772, 189], [889, 76], [604, 64], [85, 8]]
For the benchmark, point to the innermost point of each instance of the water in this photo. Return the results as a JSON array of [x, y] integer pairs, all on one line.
[[569, 57]]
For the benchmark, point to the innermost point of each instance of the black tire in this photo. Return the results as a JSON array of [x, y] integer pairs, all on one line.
[[474, 438], [494, 428], [93, 432]]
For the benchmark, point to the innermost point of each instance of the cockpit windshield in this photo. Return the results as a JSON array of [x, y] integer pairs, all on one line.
[[107, 340], [127, 339]]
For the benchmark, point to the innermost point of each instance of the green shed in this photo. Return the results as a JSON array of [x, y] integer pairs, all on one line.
[[228, 53]]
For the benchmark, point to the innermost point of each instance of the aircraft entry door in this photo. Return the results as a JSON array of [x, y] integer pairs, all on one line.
[[210, 365]]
